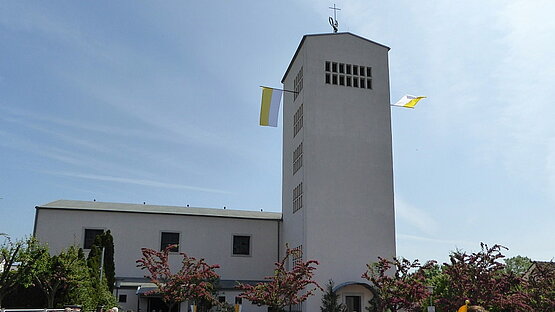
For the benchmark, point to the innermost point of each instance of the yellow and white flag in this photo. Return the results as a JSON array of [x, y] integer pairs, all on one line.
[[269, 110], [408, 101]]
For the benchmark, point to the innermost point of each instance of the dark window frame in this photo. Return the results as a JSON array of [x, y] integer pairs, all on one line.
[[166, 240], [88, 241], [239, 250]]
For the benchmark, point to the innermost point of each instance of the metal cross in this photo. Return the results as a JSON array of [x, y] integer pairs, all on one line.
[[333, 22]]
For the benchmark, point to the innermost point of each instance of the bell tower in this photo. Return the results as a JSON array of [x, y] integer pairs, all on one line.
[[337, 191]]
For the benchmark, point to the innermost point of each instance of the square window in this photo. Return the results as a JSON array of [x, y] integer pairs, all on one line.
[[241, 245], [221, 299], [238, 300], [368, 71], [355, 82], [334, 67], [349, 79], [328, 66], [342, 80], [334, 80], [348, 69], [328, 78], [122, 298], [355, 70], [90, 235], [169, 238], [341, 68]]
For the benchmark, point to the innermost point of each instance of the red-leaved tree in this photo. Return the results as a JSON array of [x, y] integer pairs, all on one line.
[[484, 280], [397, 284], [193, 281], [285, 287]]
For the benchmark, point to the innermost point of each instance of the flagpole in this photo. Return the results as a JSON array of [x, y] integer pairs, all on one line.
[[279, 89]]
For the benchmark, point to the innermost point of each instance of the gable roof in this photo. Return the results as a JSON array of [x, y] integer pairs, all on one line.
[[158, 209], [327, 34]]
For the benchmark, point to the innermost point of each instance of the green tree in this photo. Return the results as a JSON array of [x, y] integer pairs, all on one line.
[[101, 294], [330, 300], [102, 250], [12, 253], [109, 264], [58, 275], [518, 265]]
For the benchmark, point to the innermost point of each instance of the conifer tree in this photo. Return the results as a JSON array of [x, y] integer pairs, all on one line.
[[330, 300], [109, 265]]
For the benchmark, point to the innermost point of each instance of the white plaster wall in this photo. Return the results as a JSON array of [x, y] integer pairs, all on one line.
[[205, 237], [347, 167]]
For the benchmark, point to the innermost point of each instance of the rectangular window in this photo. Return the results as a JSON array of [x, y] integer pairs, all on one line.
[[298, 197], [241, 245], [298, 120], [238, 300], [297, 255], [353, 303], [298, 158], [169, 238], [349, 75], [122, 298], [298, 84], [90, 235]]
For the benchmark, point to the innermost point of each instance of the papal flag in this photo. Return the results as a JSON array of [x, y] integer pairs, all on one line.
[[269, 110], [408, 101]]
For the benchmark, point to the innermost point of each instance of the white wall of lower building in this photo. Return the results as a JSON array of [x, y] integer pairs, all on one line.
[[205, 237]]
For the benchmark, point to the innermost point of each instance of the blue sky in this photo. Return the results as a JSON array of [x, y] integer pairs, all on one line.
[[158, 102]]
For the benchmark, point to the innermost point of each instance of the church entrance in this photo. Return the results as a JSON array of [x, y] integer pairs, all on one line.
[[157, 305], [353, 303]]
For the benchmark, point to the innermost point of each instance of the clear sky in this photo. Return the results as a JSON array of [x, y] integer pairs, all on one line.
[[158, 102]]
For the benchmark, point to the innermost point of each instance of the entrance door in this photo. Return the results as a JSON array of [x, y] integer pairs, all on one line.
[[353, 303], [157, 305]]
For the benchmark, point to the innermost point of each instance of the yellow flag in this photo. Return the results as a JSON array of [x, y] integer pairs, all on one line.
[[408, 101], [269, 110]]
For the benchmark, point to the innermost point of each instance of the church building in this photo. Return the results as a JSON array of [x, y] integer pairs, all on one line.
[[337, 190]]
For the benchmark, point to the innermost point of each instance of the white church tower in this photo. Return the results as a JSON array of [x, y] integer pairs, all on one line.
[[337, 161]]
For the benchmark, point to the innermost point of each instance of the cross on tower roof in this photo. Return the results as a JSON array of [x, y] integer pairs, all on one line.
[[333, 22]]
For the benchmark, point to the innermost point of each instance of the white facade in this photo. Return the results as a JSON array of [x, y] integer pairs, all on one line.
[[337, 191], [203, 233], [347, 214]]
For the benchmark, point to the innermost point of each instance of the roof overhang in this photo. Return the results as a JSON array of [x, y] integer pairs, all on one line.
[[351, 283]]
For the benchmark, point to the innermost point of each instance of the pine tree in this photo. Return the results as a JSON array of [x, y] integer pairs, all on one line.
[[330, 300], [109, 266]]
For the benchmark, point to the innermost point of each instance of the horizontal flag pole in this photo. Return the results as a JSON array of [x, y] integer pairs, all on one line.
[[279, 89], [400, 106]]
